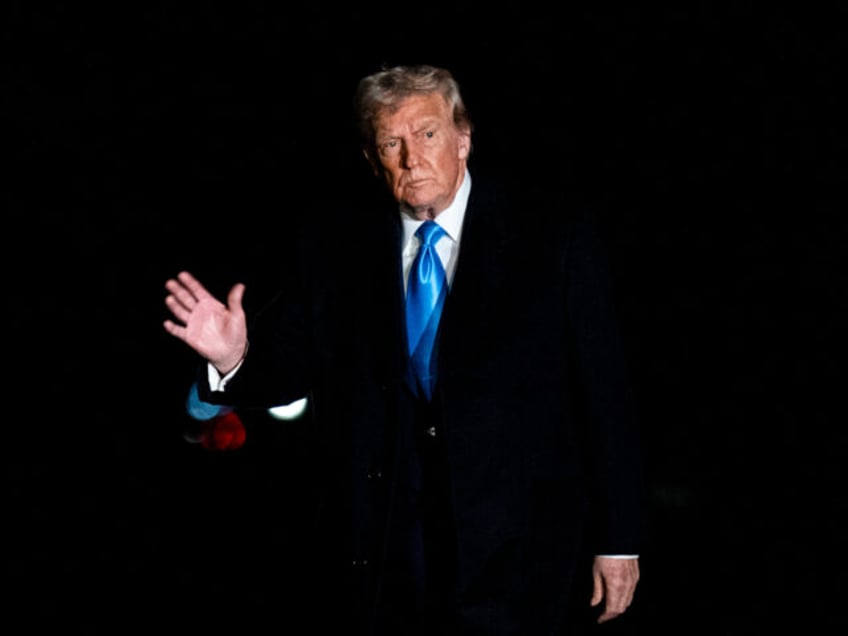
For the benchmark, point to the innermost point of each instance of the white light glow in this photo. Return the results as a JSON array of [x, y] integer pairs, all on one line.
[[290, 411]]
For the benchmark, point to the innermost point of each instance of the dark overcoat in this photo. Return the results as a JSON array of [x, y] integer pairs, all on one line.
[[533, 396]]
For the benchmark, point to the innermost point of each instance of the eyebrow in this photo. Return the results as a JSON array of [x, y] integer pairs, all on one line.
[[429, 122]]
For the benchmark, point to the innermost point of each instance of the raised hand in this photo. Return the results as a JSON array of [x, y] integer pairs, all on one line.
[[218, 332]]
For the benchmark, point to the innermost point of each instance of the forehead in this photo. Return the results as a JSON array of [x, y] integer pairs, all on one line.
[[411, 113]]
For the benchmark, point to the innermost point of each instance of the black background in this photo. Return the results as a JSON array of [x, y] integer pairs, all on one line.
[[149, 138]]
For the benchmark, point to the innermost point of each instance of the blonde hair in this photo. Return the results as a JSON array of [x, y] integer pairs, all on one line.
[[385, 89]]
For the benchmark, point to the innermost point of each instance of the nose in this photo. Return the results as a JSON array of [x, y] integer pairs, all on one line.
[[410, 156]]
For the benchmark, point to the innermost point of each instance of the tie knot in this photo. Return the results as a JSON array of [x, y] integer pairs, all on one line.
[[429, 232]]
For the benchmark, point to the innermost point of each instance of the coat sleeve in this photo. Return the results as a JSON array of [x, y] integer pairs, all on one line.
[[611, 433]]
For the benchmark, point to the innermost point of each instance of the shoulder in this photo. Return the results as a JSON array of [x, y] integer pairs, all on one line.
[[349, 215], [544, 208]]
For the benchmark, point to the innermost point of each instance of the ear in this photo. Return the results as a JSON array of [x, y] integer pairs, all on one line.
[[375, 165], [464, 144]]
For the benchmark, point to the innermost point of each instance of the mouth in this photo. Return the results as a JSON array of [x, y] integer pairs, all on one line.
[[415, 183]]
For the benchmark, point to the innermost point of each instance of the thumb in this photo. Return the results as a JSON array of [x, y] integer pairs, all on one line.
[[597, 590], [235, 296]]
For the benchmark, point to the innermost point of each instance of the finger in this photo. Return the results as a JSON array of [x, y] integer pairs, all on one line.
[[610, 611], [174, 329], [597, 590], [172, 285], [181, 293], [616, 604], [193, 286], [608, 616], [178, 308]]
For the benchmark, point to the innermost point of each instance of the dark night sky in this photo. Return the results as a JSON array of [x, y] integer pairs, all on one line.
[[145, 140]]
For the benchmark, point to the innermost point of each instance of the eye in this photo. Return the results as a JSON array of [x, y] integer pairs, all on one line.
[[390, 146]]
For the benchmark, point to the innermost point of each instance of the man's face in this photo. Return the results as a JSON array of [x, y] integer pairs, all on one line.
[[421, 154]]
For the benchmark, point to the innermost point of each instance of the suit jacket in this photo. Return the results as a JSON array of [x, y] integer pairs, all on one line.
[[533, 396]]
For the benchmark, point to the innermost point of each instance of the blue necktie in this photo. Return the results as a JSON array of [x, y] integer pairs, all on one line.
[[425, 296]]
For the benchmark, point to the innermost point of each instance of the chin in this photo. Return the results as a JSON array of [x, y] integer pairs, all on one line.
[[421, 204]]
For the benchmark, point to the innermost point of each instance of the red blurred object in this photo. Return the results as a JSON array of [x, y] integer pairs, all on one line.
[[223, 432]]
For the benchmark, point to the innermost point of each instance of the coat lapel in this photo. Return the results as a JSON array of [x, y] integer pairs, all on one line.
[[479, 273]]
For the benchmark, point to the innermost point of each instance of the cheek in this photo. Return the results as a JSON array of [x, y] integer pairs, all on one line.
[[390, 177], [450, 159]]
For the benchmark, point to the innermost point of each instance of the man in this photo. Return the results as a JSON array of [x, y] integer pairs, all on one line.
[[466, 483]]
